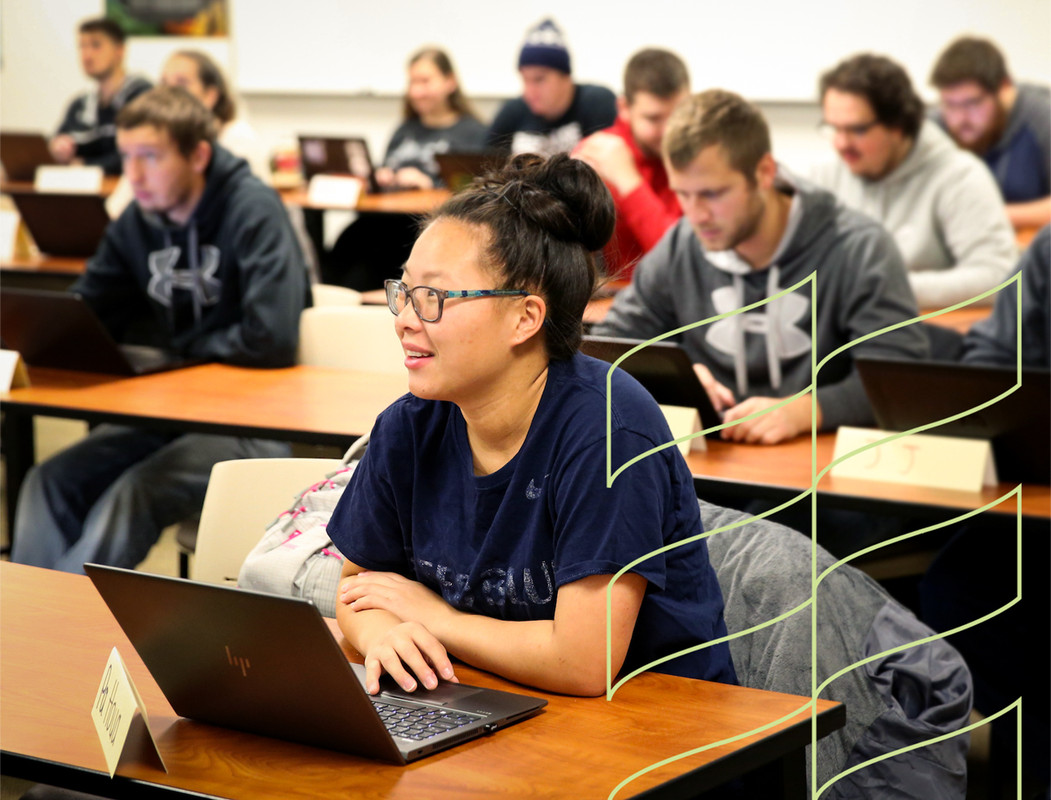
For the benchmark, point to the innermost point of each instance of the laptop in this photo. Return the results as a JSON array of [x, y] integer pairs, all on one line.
[[663, 368], [906, 394], [22, 153], [458, 169], [269, 664], [60, 330], [341, 155], [63, 224]]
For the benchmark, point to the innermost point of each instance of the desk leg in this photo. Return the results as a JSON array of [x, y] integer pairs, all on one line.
[[19, 454]]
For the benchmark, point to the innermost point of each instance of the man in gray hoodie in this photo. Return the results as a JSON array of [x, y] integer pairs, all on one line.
[[941, 204], [749, 231]]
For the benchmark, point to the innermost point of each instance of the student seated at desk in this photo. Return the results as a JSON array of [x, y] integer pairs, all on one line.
[[749, 230], [438, 119], [86, 133], [939, 203], [554, 113], [204, 263], [478, 524]]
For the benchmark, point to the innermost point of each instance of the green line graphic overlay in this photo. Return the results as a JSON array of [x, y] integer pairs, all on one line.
[[816, 475]]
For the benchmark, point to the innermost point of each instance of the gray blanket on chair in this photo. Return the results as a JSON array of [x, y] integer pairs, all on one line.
[[895, 701]]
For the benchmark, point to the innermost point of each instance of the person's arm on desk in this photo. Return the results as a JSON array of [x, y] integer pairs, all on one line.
[[397, 622], [1034, 214]]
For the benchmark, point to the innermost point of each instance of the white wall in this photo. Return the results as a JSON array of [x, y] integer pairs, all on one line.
[[40, 73]]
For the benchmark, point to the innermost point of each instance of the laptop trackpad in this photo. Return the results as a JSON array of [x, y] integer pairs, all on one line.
[[445, 693]]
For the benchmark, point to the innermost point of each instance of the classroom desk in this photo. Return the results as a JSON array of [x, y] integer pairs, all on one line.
[[57, 635], [311, 405], [109, 183], [420, 201], [782, 471], [41, 271]]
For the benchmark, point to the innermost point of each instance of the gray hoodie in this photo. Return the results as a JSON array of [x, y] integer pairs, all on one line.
[[861, 288], [946, 215]]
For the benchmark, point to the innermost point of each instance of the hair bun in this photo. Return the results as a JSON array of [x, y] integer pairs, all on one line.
[[562, 195]]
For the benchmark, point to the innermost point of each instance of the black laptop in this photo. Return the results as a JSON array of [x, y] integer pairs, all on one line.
[[63, 223], [269, 664], [338, 155], [59, 329], [906, 394], [457, 169], [22, 153], [663, 368]]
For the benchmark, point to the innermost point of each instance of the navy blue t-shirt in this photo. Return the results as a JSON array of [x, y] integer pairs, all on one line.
[[502, 544]]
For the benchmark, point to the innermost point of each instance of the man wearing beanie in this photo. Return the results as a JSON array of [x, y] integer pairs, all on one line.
[[553, 113]]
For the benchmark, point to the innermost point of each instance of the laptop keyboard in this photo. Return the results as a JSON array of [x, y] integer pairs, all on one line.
[[420, 723]]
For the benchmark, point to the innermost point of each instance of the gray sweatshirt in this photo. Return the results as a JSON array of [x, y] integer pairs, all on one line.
[[946, 215], [766, 352]]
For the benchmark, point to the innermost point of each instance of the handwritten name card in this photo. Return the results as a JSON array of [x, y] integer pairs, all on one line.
[[114, 709]]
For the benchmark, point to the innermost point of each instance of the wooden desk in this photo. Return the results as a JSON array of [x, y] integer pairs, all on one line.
[[311, 405], [109, 183], [57, 634], [420, 201], [42, 271], [784, 471]]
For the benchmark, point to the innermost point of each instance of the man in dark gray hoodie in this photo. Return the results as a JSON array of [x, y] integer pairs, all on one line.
[[750, 230], [203, 263]]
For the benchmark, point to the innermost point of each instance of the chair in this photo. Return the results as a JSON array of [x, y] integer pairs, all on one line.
[[244, 496], [328, 294], [350, 337], [764, 570], [340, 337]]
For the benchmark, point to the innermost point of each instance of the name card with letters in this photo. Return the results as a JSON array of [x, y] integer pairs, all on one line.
[[935, 462], [338, 191], [13, 374], [114, 710], [684, 421], [52, 178]]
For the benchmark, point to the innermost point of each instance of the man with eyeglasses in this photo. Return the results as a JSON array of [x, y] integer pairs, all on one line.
[[939, 203], [1007, 125], [750, 230]]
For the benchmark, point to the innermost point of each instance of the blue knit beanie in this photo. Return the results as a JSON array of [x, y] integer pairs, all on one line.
[[544, 47]]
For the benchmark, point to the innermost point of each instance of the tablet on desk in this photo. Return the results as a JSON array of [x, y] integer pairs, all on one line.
[[663, 368], [340, 155], [906, 394]]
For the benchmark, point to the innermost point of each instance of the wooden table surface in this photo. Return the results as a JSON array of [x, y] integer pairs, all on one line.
[[57, 635], [420, 201]]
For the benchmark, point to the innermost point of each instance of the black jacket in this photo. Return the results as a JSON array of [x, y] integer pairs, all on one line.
[[228, 286]]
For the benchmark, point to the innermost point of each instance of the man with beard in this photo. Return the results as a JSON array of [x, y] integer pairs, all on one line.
[[1007, 125], [627, 156], [88, 132], [749, 231], [939, 203]]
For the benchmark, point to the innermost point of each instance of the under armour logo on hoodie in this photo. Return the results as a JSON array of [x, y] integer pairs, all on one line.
[[165, 278]]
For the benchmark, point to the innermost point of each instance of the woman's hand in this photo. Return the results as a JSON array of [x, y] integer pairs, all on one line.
[[409, 644], [413, 178]]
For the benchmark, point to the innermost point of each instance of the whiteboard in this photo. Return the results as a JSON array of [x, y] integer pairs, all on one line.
[[767, 50]]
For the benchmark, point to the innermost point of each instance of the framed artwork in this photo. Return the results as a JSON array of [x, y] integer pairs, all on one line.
[[171, 17]]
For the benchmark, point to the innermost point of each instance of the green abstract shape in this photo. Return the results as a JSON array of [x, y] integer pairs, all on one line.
[[816, 579]]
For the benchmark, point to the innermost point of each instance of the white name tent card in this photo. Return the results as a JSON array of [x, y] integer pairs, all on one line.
[[114, 711], [935, 462], [51, 178], [340, 191], [684, 421], [13, 373]]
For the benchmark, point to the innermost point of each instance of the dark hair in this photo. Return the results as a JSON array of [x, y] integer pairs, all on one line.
[[971, 59], [175, 110], [458, 102], [658, 72], [107, 27], [717, 117], [211, 77], [886, 87], [545, 219]]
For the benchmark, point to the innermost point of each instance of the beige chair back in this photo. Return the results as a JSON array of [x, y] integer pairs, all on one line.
[[244, 496], [350, 337]]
